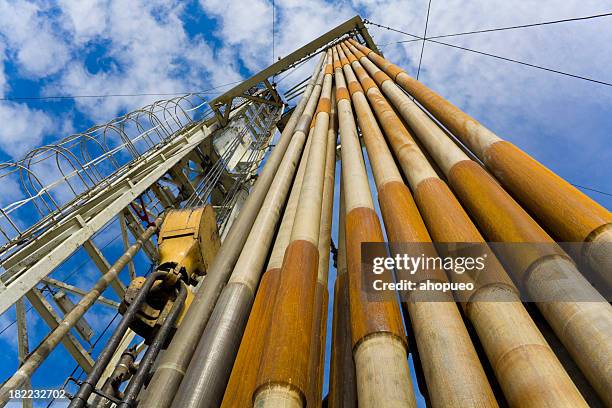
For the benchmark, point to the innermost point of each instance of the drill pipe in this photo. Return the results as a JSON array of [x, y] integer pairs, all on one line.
[[174, 361], [585, 328], [211, 364], [35, 359], [565, 211], [378, 337], [342, 388], [452, 378], [242, 382], [317, 346], [283, 376], [519, 354]]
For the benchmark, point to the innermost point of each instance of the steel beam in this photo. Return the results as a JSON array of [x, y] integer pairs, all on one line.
[[77, 291], [45, 310], [33, 262], [65, 304], [349, 26], [22, 344], [103, 265], [126, 240]]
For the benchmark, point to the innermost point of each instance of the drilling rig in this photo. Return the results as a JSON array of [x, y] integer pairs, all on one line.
[[236, 227]]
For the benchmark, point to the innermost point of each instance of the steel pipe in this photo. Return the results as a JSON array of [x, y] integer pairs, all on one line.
[[517, 351], [378, 337], [283, 377], [176, 358], [88, 386], [342, 387], [566, 212], [452, 378], [585, 328], [35, 359], [211, 364], [144, 365], [317, 345], [242, 382]]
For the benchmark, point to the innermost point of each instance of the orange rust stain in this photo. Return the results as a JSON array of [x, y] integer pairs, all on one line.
[[380, 77], [323, 106], [342, 386], [354, 87], [457, 121], [241, 385], [564, 210], [367, 316], [360, 72], [368, 83], [498, 216], [286, 355], [447, 221], [342, 93], [317, 347], [441, 210], [403, 222]]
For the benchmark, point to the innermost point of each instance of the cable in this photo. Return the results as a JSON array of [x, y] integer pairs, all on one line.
[[591, 189], [499, 57], [29, 98], [506, 28], [424, 36], [521, 26], [523, 63]]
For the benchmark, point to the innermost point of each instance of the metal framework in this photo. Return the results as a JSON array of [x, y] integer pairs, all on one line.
[[179, 152]]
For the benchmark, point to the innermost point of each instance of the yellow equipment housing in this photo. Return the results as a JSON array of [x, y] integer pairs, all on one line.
[[189, 239], [188, 242]]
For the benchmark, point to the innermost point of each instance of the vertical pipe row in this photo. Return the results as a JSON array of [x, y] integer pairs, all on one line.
[[210, 367], [453, 378], [321, 294], [519, 355], [585, 328], [342, 387], [283, 377], [242, 382], [379, 343], [176, 358], [569, 214]]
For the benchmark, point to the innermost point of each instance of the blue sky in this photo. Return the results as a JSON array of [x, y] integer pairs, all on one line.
[[94, 47]]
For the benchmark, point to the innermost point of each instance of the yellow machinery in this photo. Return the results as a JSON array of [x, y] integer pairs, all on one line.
[[188, 242]]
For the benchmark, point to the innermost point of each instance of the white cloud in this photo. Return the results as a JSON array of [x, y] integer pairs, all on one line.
[[151, 53], [22, 128], [37, 48], [245, 28]]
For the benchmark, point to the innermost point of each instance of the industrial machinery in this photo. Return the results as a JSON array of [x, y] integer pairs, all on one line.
[[233, 309]]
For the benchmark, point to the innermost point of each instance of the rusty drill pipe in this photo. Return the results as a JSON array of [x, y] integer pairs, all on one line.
[[585, 328], [342, 387], [317, 355], [452, 378], [283, 377], [519, 354], [174, 361], [566, 212], [36, 357], [242, 382], [378, 337], [210, 367]]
